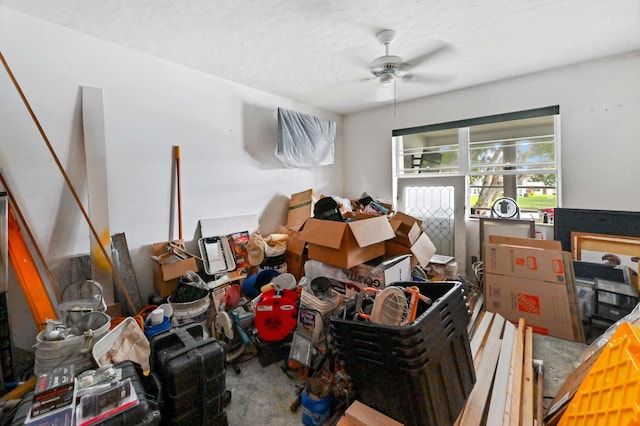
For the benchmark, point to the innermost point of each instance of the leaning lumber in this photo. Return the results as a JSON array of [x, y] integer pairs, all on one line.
[[527, 380], [516, 388], [501, 381], [477, 401]]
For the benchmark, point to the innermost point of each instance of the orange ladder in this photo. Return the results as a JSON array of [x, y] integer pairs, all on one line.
[[27, 273]]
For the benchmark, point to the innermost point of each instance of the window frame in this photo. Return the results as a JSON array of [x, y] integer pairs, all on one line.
[[463, 168]]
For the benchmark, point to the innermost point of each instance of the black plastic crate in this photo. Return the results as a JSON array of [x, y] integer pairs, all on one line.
[[451, 316], [449, 313], [420, 373]]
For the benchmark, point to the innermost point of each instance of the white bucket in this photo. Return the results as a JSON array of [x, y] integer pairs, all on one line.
[[196, 311], [74, 350]]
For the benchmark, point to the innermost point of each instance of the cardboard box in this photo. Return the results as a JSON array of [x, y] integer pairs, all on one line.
[[543, 305], [407, 228], [526, 242], [162, 287], [166, 276], [347, 244], [408, 233], [524, 262], [296, 253], [300, 209], [376, 273]]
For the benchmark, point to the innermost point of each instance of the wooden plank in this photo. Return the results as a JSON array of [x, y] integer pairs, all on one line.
[[477, 401], [479, 334], [475, 315], [359, 414], [516, 389], [507, 407], [97, 191], [501, 382], [527, 380]]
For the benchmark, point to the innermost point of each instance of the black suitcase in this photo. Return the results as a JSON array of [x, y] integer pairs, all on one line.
[[146, 412], [192, 371]]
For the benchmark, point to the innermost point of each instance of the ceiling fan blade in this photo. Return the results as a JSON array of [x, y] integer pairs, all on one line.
[[363, 79], [441, 47], [427, 78]]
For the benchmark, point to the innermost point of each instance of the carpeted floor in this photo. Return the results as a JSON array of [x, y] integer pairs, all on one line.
[[262, 395]]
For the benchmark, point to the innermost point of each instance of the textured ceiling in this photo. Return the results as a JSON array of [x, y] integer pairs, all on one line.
[[318, 51]]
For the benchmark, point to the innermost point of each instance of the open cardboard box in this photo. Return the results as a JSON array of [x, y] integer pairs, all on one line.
[[347, 244], [166, 276], [409, 238]]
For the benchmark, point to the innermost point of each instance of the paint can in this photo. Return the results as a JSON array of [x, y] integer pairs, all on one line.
[[315, 412], [196, 311]]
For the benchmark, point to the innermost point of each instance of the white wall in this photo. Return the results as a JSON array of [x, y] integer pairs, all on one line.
[[600, 131], [227, 133]]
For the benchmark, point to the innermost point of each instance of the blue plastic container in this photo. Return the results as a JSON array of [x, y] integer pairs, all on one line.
[[315, 412], [152, 330]]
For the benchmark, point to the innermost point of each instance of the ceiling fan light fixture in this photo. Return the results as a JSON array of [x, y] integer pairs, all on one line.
[[386, 78]]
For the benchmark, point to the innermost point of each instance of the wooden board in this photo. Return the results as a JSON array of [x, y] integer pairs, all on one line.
[[359, 414], [528, 401], [501, 382], [97, 191], [476, 315], [479, 334], [477, 400], [516, 389]]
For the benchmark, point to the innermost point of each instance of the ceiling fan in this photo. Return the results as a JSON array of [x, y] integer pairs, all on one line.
[[388, 69]]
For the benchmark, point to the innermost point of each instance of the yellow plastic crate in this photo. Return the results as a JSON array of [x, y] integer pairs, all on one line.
[[610, 394]]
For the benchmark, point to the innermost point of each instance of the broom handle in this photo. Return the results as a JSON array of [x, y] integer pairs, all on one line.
[[176, 152], [68, 181]]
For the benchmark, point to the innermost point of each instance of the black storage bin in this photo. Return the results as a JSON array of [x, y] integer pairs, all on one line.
[[420, 373], [147, 412], [192, 371]]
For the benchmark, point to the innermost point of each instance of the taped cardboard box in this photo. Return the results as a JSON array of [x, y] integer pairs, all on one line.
[[347, 244], [544, 305], [538, 263], [524, 262]]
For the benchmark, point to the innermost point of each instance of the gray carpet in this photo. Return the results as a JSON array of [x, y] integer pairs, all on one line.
[[262, 395]]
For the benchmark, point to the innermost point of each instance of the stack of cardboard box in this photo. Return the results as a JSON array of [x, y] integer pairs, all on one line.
[[532, 279]]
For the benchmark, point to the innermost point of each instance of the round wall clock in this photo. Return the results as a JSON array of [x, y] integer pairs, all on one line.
[[505, 208]]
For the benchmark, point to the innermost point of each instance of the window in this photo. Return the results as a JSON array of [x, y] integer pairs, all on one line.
[[508, 155]]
